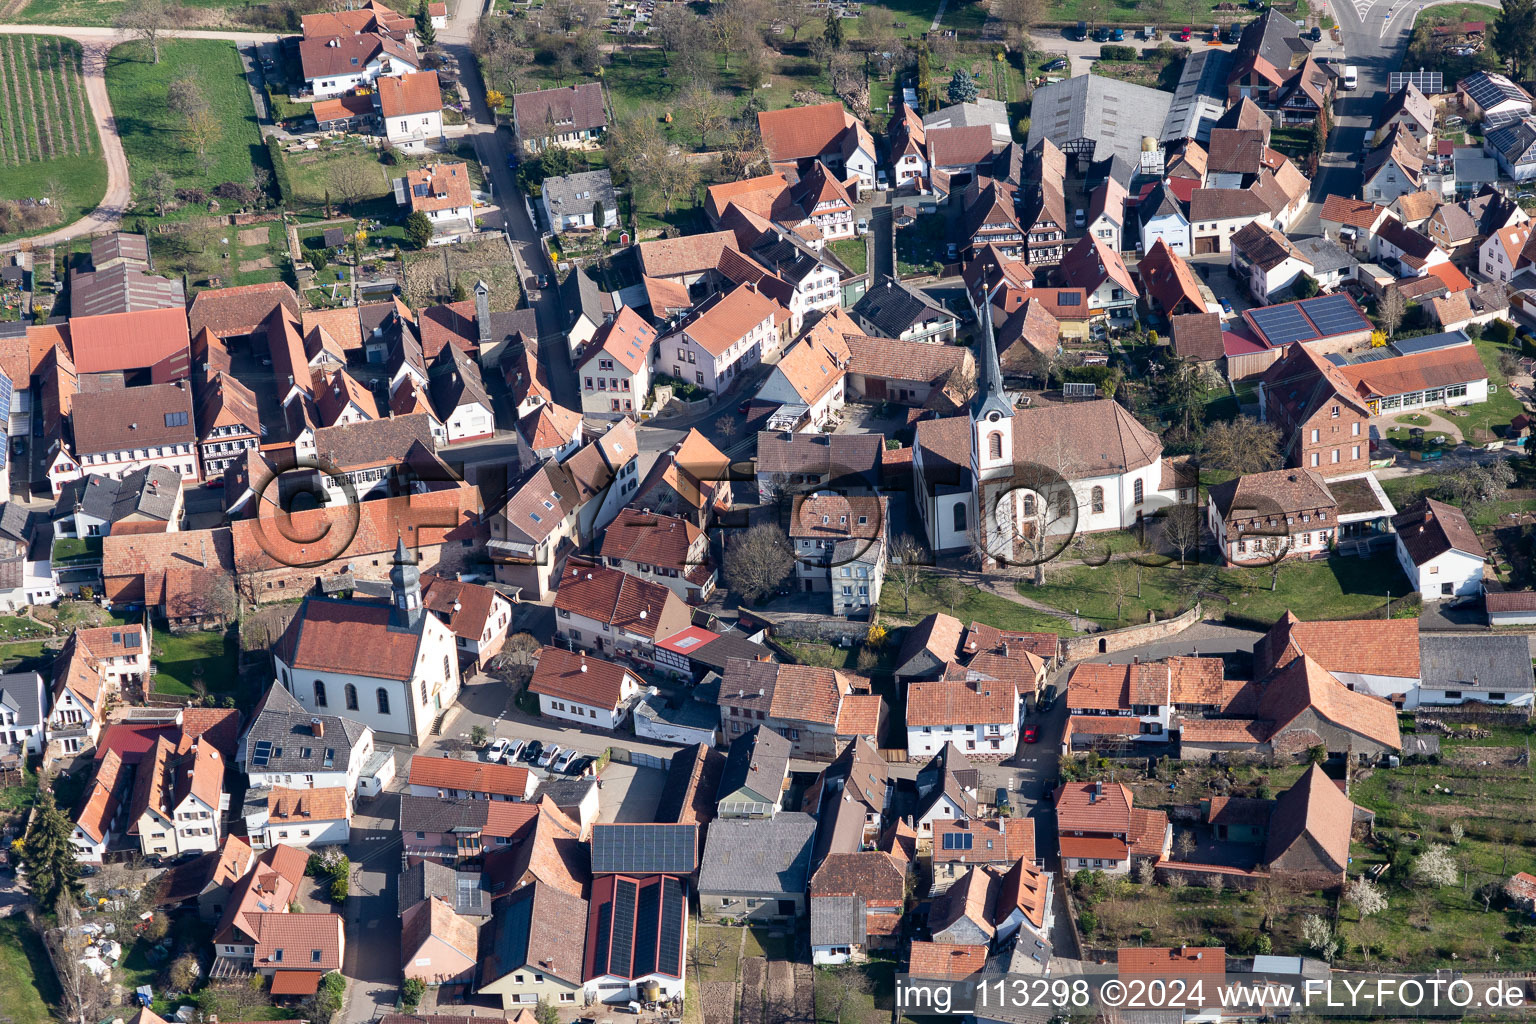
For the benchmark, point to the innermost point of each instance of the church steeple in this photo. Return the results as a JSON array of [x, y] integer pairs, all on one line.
[[990, 397], [405, 586]]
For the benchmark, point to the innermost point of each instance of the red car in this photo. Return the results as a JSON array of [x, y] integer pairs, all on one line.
[[1185, 33], [1031, 734]]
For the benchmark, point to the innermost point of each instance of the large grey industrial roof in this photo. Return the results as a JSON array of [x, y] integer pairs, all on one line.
[[1115, 115]]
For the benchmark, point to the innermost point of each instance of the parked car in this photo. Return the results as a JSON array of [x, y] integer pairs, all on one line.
[[532, 751], [863, 226], [882, 183], [1001, 801], [1117, 36], [1031, 734], [497, 750], [1316, 34], [514, 751], [19, 445], [1226, 306], [951, 251], [581, 765], [1080, 217], [1101, 34], [1234, 32], [561, 763], [548, 756], [1082, 31], [1059, 64], [1185, 33]]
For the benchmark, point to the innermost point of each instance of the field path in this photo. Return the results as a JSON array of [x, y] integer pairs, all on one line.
[[95, 44]]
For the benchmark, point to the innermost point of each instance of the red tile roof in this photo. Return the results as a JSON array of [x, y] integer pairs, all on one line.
[[414, 93], [471, 776], [1184, 960], [945, 960], [573, 675], [798, 133], [128, 341]]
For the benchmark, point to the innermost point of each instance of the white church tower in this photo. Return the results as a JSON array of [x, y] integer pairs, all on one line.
[[992, 450]]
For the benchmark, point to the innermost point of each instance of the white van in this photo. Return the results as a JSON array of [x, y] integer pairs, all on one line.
[[1350, 76]]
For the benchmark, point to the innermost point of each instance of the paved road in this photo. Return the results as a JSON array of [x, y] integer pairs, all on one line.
[[1374, 34], [372, 964]]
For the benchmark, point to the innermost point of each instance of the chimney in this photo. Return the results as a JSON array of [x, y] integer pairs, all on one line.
[[483, 313], [317, 728]]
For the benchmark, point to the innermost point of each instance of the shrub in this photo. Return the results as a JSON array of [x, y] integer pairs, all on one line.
[[339, 889], [411, 993], [1500, 332], [1109, 51], [279, 170], [1089, 921], [478, 735]]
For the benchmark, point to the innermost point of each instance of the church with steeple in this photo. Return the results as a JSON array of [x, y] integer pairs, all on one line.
[[1016, 484], [391, 666]]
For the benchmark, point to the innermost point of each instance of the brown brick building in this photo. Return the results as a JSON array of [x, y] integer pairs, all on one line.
[[1323, 423]]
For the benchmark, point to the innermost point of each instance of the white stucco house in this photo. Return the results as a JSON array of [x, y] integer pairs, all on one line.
[[579, 688], [1439, 550], [298, 817]]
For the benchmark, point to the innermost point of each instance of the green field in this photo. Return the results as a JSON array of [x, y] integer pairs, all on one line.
[[48, 143], [977, 605], [26, 976], [1313, 590], [1456, 13], [156, 138], [185, 660]]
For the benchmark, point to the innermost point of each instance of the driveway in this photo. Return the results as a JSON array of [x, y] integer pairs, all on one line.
[[372, 963]]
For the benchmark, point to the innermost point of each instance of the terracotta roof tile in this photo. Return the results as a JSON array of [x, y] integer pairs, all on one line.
[[506, 780], [945, 960], [290, 806], [576, 676]]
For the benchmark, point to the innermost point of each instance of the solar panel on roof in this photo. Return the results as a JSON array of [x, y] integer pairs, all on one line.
[[644, 849], [958, 840], [604, 933], [669, 957], [1282, 325], [1427, 82], [623, 927], [647, 925], [1334, 314]]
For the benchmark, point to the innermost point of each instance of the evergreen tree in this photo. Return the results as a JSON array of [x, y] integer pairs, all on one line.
[[418, 227], [460, 293], [834, 31], [46, 852], [962, 88], [1514, 35], [426, 35]]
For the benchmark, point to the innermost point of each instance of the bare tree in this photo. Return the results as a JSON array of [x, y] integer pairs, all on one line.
[[81, 994], [1242, 445], [185, 94], [962, 381], [1181, 529], [1184, 845], [711, 951], [1121, 585], [758, 560], [703, 110], [950, 591], [145, 19], [159, 188], [756, 65], [726, 427], [1390, 310], [904, 569], [1018, 17], [204, 128], [796, 14], [352, 181], [839, 991]]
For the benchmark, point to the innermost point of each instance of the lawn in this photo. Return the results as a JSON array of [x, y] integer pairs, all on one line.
[[26, 976], [157, 139], [191, 663], [13, 627], [1337, 587], [853, 252], [48, 143], [870, 989], [974, 605], [828, 656], [1416, 806], [1456, 13], [207, 253], [1487, 420], [24, 656], [77, 550]]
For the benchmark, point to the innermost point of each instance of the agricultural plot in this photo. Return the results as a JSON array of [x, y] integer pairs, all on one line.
[[48, 144]]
